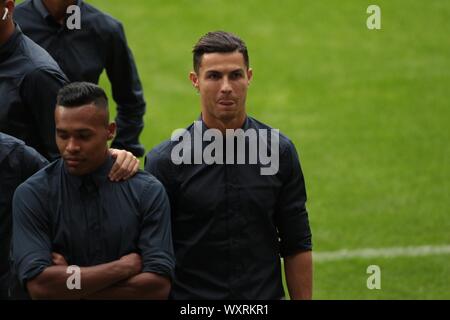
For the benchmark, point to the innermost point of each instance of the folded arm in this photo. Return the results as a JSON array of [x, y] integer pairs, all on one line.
[[52, 282]]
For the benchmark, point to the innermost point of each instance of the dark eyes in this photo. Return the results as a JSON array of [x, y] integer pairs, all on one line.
[[81, 136], [213, 76], [233, 76]]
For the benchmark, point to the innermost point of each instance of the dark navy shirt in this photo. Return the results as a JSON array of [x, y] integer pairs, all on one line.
[[83, 54], [29, 83], [17, 163], [230, 223], [90, 220]]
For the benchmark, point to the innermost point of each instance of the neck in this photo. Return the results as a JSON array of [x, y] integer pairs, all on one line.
[[6, 31], [224, 124], [58, 8]]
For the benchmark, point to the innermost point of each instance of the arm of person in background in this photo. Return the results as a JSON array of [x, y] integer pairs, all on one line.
[[155, 244], [294, 231], [127, 93], [39, 91], [125, 166]]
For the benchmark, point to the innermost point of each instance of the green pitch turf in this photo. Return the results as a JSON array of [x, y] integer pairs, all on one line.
[[368, 110]]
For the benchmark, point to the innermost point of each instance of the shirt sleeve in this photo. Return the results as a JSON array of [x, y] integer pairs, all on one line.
[[291, 216], [39, 91], [127, 93], [31, 245], [155, 242]]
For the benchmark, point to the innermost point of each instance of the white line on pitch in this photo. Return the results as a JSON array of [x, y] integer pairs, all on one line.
[[381, 253]]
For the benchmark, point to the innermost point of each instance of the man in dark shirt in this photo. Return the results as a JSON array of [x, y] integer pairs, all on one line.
[[118, 234], [233, 217], [84, 53], [29, 82], [18, 162]]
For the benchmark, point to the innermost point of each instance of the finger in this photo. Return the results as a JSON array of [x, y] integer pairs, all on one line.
[[132, 169], [113, 152], [133, 166], [123, 170], [120, 157]]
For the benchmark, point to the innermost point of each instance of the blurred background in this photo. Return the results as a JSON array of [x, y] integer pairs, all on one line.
[[368, 111]]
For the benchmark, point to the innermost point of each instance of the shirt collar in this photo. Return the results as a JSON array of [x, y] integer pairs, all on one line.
[[40, 7], [245, 126], [99, 176], [10, 45]]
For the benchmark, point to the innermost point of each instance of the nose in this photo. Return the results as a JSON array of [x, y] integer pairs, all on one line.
[[226, 86], [72, 146]]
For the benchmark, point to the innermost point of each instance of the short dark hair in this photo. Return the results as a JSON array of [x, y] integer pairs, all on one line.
[[78, 94], [218, 41]]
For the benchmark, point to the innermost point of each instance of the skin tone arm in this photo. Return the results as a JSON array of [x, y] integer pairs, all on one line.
[[299, 275], [125, 166], [145, 285], [141, 286], [51, 283]]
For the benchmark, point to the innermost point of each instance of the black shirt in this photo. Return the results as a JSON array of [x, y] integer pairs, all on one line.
[[17, 163], [29, 83], [90, 220], [84, 54], [230, 223]]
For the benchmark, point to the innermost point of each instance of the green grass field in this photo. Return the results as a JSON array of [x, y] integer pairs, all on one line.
[[367, 109]]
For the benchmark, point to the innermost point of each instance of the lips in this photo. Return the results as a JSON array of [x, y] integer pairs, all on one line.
[[226, 102], [72, 162]]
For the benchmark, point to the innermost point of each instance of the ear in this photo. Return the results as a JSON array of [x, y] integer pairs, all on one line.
[[249, 75], [9, 4], [111, 130], [194, 79]]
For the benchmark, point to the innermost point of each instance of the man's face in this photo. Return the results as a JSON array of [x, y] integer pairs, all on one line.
[[81, 135], [222, 81]]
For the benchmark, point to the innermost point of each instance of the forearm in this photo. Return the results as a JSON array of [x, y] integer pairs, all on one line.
[[52, 282], [299, 275], [142, 286]]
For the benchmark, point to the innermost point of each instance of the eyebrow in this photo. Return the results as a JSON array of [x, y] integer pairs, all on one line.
[[240, 70], [84, 130]]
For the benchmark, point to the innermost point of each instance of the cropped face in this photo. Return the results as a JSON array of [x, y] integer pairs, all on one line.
[[222, 80], [81, 135]]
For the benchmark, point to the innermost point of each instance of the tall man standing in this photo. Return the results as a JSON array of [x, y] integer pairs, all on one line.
[[84, 53], [232, 219]]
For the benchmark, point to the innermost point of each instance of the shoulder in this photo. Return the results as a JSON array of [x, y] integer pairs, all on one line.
[[144, 180], [10, 147], [102, 21], [161, 152], [147, 189], [285, 143], [38, 185], [18, 152], [25, 7], [38, 61]]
